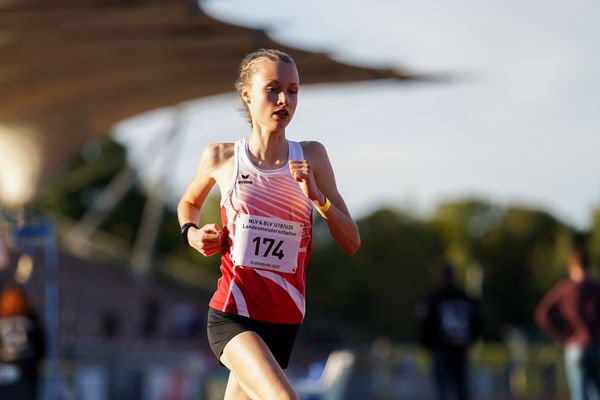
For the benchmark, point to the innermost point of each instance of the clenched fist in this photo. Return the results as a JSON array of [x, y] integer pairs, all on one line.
[[301, 170], [207, 240]]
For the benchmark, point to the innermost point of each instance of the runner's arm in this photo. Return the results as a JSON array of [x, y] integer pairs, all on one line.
[[322, 186], [207, 239]]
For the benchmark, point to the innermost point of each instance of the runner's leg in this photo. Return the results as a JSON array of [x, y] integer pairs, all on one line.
[[234, 391], [255, 369]]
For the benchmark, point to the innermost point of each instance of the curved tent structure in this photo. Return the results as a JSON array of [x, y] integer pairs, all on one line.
[[70, 69]]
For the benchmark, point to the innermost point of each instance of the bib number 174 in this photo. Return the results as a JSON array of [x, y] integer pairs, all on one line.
[[265, 245]]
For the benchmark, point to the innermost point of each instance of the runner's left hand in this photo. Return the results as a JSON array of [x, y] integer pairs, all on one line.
[[301, 170]]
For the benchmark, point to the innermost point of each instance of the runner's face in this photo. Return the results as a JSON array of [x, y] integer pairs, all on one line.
[[273, 94]]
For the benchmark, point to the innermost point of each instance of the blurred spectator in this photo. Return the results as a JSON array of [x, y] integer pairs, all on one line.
[[4, 255], [187, 321], [22, 346], [448, 324], [381, 351], [109, 324], [516, 367], [570, 314], [150, 317]]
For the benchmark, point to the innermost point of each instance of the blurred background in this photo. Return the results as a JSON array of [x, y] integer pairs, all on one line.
[[462, 133]]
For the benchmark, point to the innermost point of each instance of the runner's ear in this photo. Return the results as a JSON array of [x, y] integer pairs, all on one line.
[[246, 95]]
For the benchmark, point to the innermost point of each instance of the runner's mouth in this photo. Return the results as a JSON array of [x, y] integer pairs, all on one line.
[[282, 113]]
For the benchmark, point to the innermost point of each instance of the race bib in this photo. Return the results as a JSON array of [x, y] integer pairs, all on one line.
[[266, 243]]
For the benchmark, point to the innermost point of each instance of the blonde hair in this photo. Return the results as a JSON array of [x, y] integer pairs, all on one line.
[[247, 69]]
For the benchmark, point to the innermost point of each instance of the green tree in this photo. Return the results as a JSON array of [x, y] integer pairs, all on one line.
[[594, 241], [461, 225], [520, 252], [381, 285], [522, 255]]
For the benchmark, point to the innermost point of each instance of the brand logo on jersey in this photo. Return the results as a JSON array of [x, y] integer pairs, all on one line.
[[245, 179]]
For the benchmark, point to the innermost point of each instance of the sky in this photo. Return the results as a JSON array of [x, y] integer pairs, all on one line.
[[519, 124]]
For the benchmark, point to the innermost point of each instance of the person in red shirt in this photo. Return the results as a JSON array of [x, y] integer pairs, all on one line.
[[570, 314], [269, 187]]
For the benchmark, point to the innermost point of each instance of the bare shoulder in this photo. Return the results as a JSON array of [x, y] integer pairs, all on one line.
[[217, 154], [216, 163], [313, 150]]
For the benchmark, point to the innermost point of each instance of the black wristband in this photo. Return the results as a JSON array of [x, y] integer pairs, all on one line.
[[184, 231]]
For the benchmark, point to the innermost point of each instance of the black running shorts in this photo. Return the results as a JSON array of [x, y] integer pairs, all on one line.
[[222, 327]]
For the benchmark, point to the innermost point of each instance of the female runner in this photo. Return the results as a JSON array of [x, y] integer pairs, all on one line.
[[269, 186]]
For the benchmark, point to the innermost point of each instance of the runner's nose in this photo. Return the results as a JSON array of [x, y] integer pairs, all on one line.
[[282, 98]]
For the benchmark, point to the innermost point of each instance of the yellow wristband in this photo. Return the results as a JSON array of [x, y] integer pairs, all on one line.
[[326, 206]]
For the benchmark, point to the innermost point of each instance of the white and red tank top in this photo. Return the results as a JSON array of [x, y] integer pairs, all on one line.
[[267, 229]]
